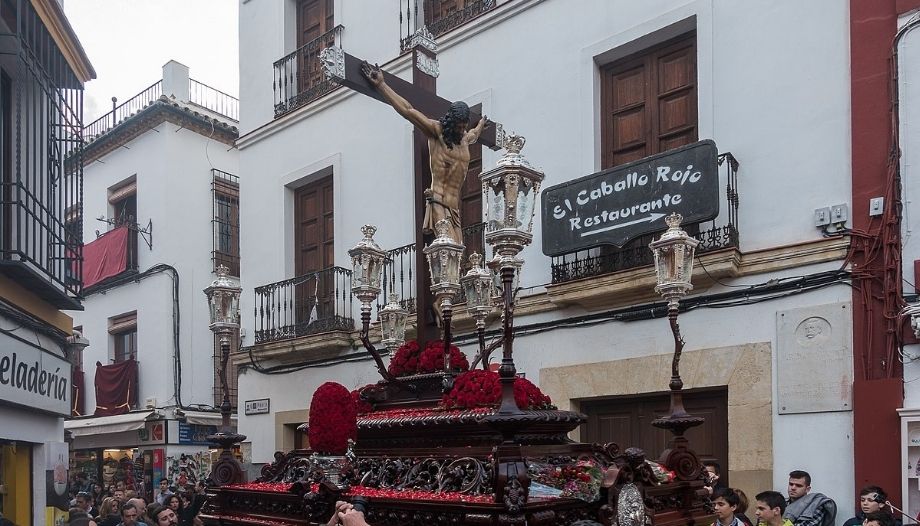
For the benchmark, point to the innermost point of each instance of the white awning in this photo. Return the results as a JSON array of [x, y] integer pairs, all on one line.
[[205, 418], [109, 424]]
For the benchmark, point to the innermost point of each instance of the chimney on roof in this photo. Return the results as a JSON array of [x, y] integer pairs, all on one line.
[[175, 81]]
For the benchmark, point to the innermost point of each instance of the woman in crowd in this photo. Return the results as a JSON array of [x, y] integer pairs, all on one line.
[[741, 511], [108, 513]]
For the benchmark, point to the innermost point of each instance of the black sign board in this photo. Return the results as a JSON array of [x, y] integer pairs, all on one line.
[[622, 203]]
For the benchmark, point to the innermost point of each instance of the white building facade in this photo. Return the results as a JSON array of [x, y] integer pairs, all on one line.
[[161, 173], [769, 352]]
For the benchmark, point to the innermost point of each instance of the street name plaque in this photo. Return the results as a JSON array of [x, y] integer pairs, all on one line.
[[619, 204]]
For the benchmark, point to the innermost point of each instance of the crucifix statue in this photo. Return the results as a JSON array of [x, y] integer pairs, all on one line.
[[448, 150], [440, 151]]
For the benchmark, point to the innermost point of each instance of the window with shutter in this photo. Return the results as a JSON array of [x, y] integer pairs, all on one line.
[[648, 106], [649, 102]]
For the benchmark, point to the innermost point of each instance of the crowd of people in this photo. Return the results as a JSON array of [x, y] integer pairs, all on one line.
[[117, 506], [801, 507]]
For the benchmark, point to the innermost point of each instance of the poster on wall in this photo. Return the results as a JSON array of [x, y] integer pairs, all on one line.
[[187, 469], [56, 480]]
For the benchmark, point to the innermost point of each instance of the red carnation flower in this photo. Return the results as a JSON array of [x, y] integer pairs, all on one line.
[[362, 406], [333, 419], [483, 388], [432, 359], [405, 361]]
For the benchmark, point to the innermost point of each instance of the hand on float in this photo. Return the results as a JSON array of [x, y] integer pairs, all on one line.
[[352, 517], [340, 507]]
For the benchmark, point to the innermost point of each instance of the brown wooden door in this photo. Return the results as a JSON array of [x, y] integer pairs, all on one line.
[[314, 19], [315, 249], [648, 102], [627, 421]]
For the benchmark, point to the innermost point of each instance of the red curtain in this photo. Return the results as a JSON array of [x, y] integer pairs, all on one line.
[[79, 400], [106, 256], [116, 388]]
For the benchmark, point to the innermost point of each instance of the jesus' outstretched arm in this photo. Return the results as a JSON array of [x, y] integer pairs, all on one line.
[[429, 127]]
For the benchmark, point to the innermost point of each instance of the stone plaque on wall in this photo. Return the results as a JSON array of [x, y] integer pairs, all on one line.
[[814, 364]]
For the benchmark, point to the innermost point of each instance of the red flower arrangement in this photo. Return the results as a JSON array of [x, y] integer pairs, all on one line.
[[333, 419], [432, 358], [362, 406], [480, 388], [405, 361]]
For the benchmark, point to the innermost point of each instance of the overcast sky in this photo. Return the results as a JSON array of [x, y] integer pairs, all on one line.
[[128, 41]]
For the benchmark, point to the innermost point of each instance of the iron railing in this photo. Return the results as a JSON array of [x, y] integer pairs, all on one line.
[[199, 94], [439, 16], [213, 99], [123, 111], [299, 77], [720, 233], [225, 222], [400, 274], [41, 162], [310, 304]]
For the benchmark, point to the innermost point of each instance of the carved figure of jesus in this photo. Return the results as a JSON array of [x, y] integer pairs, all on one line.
[[448, 147]]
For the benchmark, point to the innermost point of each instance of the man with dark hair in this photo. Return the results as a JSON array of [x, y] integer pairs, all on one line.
[[871, 500], [130, 516], [725, 501], [878, 518], [806, 508], [770, 508], [449, 151]]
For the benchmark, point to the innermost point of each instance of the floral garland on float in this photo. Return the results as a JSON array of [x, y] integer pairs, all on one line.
[[410, 359]]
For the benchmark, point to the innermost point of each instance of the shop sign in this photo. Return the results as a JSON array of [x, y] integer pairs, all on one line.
[[153, 432], [195, 434], [33, 378], [616, 205], [257, 407]]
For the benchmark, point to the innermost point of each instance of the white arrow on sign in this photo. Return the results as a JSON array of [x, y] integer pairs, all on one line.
[[649, 219]]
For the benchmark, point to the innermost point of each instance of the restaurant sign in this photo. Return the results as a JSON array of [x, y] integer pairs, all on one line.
[[619, 204], [33, 378]]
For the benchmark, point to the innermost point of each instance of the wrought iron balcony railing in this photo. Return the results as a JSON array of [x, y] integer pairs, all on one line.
[[123, 111], [299, 77], [200, 94], [400, 272], [213, 99], [720, 233], [41, 149], [310, 304], [440, 16]]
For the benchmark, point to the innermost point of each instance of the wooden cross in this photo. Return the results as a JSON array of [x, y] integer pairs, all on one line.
[[421, 94]]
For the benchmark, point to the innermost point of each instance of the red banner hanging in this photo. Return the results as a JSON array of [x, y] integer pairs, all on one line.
[[105, 257], [116, 388]]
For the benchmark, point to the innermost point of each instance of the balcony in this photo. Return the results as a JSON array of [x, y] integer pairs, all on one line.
[[299, 77], [441, 16], [720, 233], [314, 303], [199, 94], [41, 185]]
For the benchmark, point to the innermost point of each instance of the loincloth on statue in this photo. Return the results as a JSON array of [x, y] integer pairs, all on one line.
[[436, 211]]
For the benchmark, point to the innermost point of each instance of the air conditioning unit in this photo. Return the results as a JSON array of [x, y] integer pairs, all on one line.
[[150, 403]]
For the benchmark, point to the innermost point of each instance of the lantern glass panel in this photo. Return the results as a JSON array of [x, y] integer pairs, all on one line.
[[526, 200], [495, 206]]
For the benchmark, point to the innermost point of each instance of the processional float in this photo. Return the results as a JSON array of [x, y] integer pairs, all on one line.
[[437, 441]]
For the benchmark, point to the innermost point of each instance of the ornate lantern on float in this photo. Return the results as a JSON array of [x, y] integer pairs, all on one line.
[[393, 318], [443, 256], [478, 287], [510, 196], [673, 253], [224, 302], [367, 260]]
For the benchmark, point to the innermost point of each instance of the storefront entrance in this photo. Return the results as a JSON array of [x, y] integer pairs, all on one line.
[[16, 482]]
